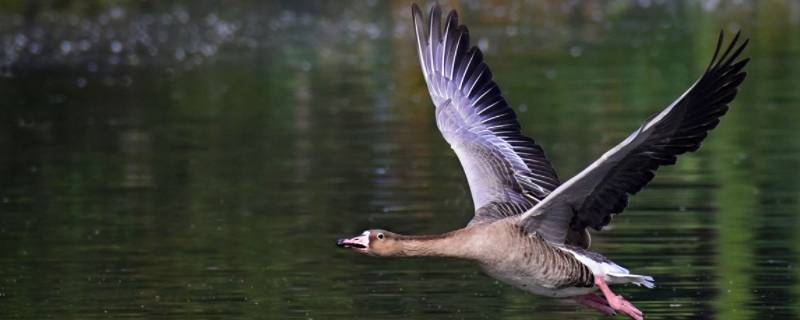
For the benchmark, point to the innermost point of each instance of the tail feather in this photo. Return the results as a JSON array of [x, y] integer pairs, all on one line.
[[639, 280]]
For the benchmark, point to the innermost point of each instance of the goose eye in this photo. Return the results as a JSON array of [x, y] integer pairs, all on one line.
[[380, 236]]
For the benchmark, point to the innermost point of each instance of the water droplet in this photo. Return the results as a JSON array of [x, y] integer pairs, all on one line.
[[208, 50], [212, 19], [116, 13], [113, 60], [180, 54], [20, 40], [182, 15], [35, 48], [116, 46], [483, 44], [66, 47], [84, 45], [575, 51]]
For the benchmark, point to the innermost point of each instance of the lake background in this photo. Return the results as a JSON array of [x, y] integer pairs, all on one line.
[[195, 159]]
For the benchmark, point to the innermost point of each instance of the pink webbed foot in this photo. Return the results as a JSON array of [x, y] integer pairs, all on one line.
[[618, 302], [597, 303]]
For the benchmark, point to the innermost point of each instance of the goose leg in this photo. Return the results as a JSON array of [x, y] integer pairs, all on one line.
[[598, 303], [618, 302]]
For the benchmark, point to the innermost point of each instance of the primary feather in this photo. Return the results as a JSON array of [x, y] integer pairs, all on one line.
[[507, 172], [590, 198]]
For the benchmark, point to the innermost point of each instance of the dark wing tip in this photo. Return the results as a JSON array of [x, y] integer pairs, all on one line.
[[452, 17], [736, 53], [434, 24], [416, 13], [415, 8], [436, 11], [716, 51], [731, 53]]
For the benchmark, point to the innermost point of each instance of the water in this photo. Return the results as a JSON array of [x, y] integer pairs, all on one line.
[[208, 175]]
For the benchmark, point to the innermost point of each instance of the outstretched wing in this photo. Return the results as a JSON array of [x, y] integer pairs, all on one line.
[[591, 197], [507, 172]]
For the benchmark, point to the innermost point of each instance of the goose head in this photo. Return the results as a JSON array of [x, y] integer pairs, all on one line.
[[374, 242]]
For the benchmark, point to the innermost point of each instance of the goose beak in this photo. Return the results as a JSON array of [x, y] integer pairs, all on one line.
[[360, 243]]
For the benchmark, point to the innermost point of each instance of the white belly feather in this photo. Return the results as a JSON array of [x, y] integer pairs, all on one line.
[[611, 272]]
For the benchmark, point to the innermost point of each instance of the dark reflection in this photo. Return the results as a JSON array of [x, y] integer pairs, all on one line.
[[176, 159]]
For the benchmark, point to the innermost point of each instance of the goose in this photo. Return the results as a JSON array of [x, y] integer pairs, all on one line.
[[529, 230]]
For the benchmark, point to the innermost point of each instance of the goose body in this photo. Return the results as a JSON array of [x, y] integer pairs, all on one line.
[[542, 268], [536, 266], [529, 229]]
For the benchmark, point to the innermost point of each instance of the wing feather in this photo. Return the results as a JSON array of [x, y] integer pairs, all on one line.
[[601, 190], [506, 170]]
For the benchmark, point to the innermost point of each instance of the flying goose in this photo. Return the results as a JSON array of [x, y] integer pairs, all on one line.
[[529, 229]]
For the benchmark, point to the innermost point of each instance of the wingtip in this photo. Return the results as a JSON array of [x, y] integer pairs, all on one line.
[[436, 9], [416, 12], [452, 18], [744, 62], [736, 37], [726, 57], [738, 51], [720, 38], [745, 43], [434, 24]]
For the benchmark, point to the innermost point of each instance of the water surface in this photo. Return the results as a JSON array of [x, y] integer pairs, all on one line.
[[190, 161]]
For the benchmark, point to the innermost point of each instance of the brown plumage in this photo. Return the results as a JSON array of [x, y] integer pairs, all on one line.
[[529, 229]]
